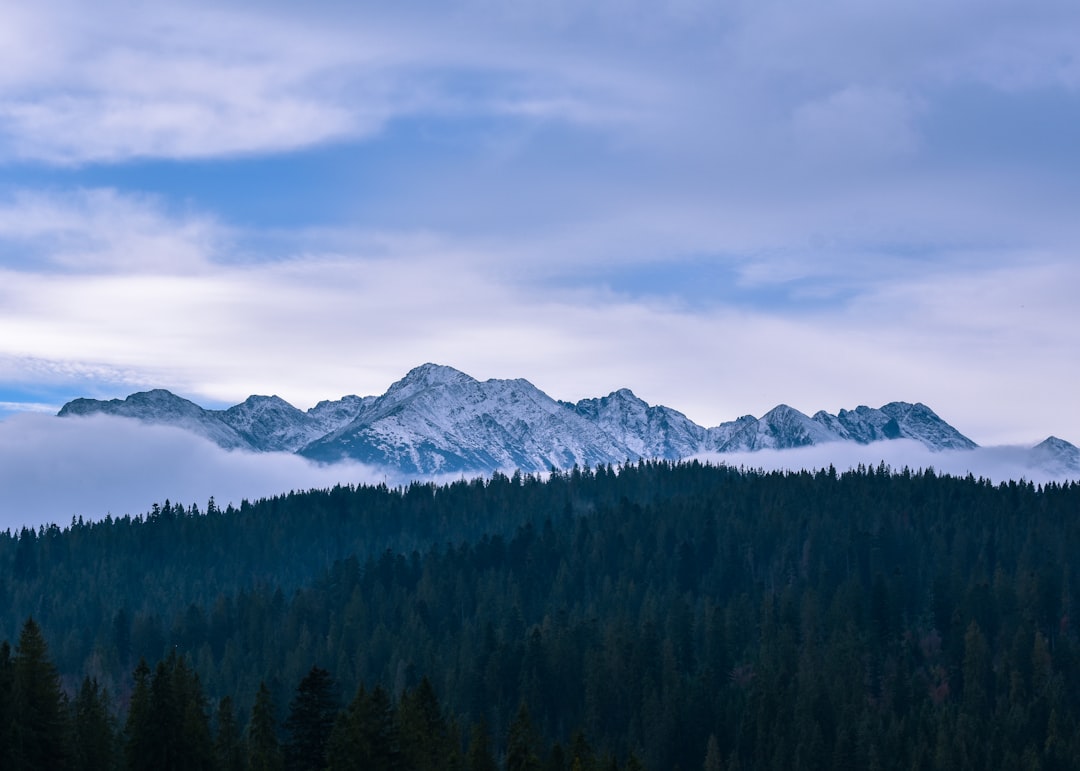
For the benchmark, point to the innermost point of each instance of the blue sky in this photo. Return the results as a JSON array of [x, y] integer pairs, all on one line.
[[723, 206]]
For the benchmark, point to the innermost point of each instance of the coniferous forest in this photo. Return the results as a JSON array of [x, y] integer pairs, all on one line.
[[654, 616]]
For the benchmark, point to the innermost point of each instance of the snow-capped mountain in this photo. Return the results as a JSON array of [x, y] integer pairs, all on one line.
[[1056, 456], [165, 408], [645, 431], [781, 428], [895, 420], [270, 423], [438, 420]]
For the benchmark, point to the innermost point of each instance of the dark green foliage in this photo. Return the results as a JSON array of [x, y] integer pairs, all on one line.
[[478, 756], [167, 726], [229, 751], [39, 725], [522, 747], [94, 738], [365, 735], [7, 706], [672, 613], [264, 750], [138, 731], [425, 738], [310, 721]]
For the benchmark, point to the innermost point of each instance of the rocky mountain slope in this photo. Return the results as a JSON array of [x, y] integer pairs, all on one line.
[[438, 420]]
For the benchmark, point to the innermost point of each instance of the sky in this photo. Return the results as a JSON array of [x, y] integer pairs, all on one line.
[[723, 206]]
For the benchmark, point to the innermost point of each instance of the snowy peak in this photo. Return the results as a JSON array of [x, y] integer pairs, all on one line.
[[270, 423], [780, 428], [439, 420], [162, 407], [645, 431], [1056, 456], [425, 377], [917, 421], [331, 415], [863, 424]]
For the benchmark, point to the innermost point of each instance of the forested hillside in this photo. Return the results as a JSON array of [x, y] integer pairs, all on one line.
[[662, 615]]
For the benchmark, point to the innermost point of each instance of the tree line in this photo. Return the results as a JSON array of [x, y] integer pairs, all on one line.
[[168, 726], [677, 615]]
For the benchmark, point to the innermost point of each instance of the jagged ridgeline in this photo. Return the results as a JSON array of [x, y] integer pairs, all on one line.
[[663, 614], [437, 420]]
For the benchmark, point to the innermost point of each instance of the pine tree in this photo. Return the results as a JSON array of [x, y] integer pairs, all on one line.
[[478, 756], [137, 738], [365, 735], [228, 744], [39, 725], [425, 742], [264, 752], [521, 743], [7, 706], [310, 722], [95, 732]]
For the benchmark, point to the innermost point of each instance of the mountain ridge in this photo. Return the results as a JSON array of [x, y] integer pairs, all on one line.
[[438, 420]]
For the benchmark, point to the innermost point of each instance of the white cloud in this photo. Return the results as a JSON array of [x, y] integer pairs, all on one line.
[[52, 469], [104, 231], [982, 339], [129, 81], [998, 464]]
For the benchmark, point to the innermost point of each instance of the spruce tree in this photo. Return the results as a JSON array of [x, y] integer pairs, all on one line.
[[479, 756], [137, 738], [228, 744], [7, 706], [39, 707], [95, 733], [264, 751], [521, 744], [425, 741], [310, 721], [365, 735]]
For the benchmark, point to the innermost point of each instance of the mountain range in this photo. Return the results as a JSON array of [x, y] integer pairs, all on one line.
[[438, 420]]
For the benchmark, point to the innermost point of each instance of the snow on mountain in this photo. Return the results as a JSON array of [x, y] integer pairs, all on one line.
[[269, 423], [862, 425], [645, 431], [331, 415], [1056, 456], [163, 407], [438, 420], [917, 421], [896, 420], [780, 428], [718, 436]]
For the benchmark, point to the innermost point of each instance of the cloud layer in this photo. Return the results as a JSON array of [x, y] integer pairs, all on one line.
[[997, 464], [721, 206], [52, 470]]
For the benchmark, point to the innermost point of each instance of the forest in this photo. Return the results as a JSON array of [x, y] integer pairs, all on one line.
[[654, 615]]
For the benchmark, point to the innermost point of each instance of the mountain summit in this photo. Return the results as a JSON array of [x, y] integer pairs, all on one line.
[[439, 420]]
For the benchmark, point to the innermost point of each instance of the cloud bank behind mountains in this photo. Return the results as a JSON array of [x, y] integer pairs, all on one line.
[[998, 464], [52, 470]]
